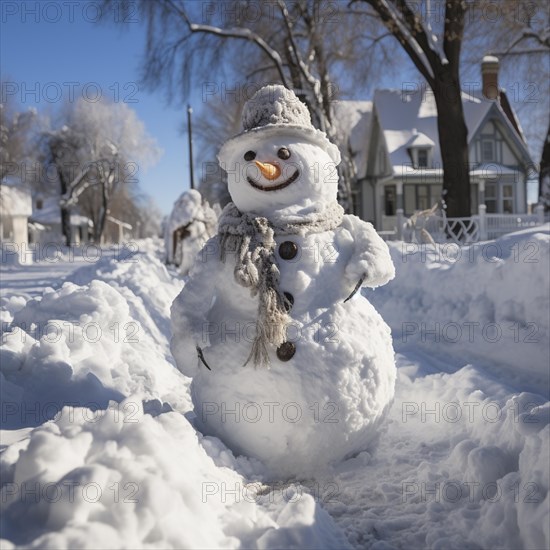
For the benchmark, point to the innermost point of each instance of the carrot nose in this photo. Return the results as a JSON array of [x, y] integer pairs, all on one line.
[[269, 171]]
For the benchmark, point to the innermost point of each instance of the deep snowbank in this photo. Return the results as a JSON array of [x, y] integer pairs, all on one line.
[[112, 462], [488, 303]]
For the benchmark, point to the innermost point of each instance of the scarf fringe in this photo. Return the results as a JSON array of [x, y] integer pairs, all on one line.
[[252, 240]]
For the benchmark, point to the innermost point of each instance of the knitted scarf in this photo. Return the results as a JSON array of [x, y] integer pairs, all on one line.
[[252, 240]]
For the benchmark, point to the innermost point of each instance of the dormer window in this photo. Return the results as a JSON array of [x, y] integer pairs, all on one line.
[[420, 149], [422, 158]]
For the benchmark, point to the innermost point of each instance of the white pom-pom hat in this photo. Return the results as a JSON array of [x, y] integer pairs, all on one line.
[[275, 110]]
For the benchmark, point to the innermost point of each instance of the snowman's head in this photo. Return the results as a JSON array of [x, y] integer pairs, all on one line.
[[280, 163]]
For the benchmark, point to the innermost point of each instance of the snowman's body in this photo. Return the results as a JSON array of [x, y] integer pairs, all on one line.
[[324, 400]]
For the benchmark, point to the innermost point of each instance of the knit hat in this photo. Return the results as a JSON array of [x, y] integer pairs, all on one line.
[[274, 110]]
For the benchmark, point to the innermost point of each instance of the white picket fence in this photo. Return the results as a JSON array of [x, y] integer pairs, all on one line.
[[481, 227]]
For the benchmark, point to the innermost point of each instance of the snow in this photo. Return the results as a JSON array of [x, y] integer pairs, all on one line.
[[489, 59], [15, 200], [352, 121], [274, 105], [418, 490], [195, 216], [49, 214], [349, 377], [419, 139], [401, 111], [271, 110]]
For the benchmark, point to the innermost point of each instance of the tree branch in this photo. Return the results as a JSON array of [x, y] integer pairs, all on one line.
[[453, 32], [236, 32], [408, 43]]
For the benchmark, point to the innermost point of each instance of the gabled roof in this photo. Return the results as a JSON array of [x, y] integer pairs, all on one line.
[[419, 141], [403, 114]]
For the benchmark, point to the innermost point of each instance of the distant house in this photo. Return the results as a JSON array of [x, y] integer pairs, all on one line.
[[15, 209], [399, 164], [45, 222]]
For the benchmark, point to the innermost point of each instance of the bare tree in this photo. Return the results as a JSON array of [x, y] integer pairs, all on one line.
[[518, 32], [304, 45]]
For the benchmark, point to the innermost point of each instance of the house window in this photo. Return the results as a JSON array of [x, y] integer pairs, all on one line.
[[39, 204], [422, 158], [420, 197], [508, 198], [487, 150], [491, 198], [409, 199], [390, 200]]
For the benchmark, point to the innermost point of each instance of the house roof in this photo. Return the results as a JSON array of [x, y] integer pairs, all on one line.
[[419, 140], [405, 115], [352, 124], [50, 214], [15, 198]]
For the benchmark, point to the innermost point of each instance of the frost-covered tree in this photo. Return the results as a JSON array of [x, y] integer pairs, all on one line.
[[16, 141], [100, 147]]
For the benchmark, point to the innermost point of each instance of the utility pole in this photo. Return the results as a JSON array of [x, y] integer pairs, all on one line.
[[190, 137]]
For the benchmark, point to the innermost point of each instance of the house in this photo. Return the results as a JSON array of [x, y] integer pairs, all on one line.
[[399, 165], [45, 222], [15, 209]]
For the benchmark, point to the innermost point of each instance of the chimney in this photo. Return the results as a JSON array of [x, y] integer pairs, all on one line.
[[489, 76]]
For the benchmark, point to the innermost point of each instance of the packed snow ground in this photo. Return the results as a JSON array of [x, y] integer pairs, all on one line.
[[99, 448]]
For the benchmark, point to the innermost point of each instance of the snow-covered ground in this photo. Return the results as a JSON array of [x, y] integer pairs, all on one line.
[[99, 448]]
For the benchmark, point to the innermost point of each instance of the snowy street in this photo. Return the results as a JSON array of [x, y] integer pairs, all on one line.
[[87, 375]]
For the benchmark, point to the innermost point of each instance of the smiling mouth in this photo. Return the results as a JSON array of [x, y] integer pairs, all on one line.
[[282, 185]]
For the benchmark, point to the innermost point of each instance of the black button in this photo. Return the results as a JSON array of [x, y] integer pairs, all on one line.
[[289, 302], [286, 351], [288, 250]]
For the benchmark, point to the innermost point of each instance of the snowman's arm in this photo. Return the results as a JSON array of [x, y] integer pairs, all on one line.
[[189, 312], [371, 256]]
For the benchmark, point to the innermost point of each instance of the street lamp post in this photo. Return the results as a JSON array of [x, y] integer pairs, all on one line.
[[190, 138]]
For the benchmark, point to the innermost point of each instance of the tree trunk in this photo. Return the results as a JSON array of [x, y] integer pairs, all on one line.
[[66, 228], [544, 174], [102, 218], [453, 143]]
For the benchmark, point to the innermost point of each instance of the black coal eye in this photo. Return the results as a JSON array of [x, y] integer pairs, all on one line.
[[249, 155], [283, 153]]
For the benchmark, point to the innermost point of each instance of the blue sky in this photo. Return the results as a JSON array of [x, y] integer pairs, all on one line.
[[54, 44]]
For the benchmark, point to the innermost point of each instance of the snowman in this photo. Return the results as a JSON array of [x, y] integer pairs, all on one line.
[[290, 364]]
